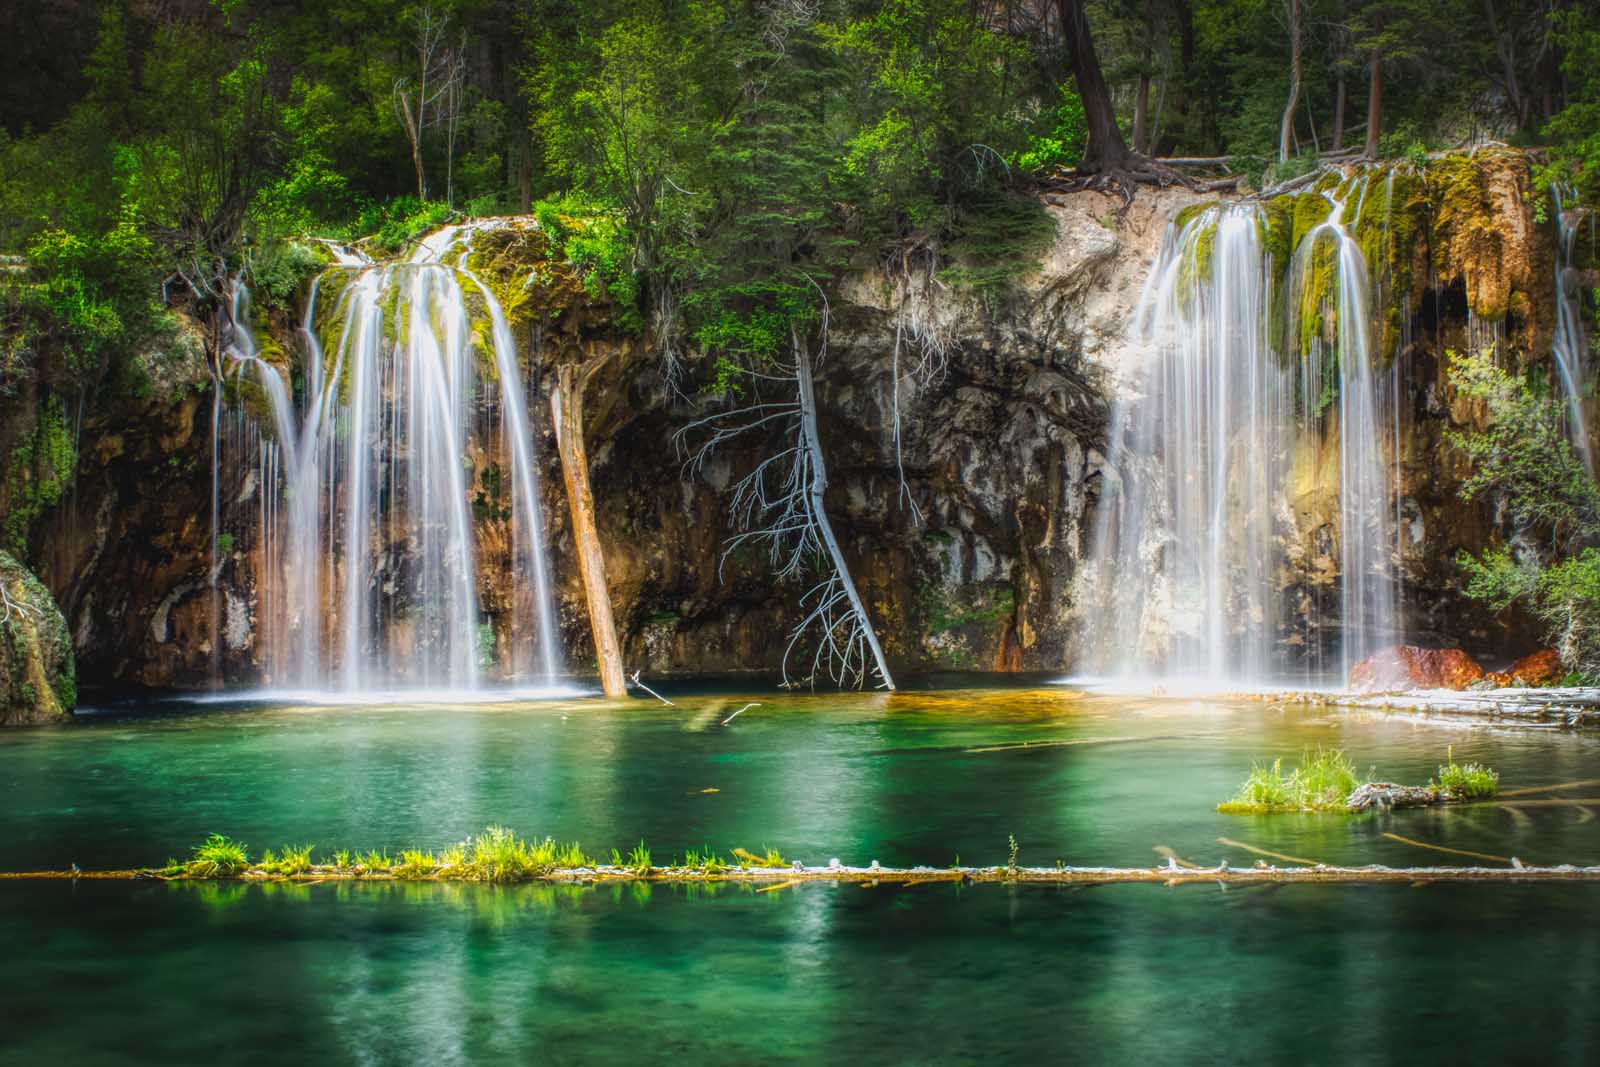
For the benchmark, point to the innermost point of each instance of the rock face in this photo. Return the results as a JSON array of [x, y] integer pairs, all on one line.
[[1407, 667], [37, 682], [965, 530]]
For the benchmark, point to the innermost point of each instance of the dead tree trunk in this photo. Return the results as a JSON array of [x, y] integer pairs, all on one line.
[[818, 488], [1286, 127], [566, 403]]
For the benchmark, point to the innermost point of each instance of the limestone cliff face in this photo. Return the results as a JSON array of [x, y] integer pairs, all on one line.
[[37, 683], [965, 531]]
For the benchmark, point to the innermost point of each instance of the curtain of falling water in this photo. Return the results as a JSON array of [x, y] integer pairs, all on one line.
[[369, 570], [1183, 550], [1188, 555]]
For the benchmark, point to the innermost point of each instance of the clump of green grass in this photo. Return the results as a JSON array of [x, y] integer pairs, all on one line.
[[706, 861], [294, 859], [341, 859], [1325, 777], [771, 858], [415, 863], [376, 861], [1472, 781], [218, 856], [571, 856], [639, 859], [498, 855]]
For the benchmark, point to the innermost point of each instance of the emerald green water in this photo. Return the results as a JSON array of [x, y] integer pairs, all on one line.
[[433, 973]]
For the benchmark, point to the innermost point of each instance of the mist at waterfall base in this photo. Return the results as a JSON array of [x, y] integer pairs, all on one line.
[[1193, 555], [368, 552]]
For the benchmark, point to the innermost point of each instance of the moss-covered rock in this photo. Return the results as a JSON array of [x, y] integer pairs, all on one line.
[[37, 679]]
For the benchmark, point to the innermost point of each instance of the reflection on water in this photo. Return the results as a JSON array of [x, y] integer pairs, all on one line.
[[407, 972], [445, 974], [904, 778]]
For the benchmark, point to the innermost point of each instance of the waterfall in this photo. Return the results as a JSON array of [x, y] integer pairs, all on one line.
[[1569, 344], [1181, 561], [1367, 527], [370, 573], [1218, 437]]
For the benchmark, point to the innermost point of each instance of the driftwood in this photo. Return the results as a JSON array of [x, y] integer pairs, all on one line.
[[1170, 874], [1390, 795]]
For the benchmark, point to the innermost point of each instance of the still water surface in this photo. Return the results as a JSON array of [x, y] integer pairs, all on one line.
[[426, 973]]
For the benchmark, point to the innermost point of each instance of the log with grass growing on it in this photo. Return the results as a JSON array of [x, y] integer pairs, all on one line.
[[1326, 781]]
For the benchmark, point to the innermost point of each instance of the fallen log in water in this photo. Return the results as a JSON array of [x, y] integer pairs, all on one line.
[[785, 877], [1390, 795]]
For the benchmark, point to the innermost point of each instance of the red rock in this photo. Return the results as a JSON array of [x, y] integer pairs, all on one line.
[[1409, 667], [1539, 668]]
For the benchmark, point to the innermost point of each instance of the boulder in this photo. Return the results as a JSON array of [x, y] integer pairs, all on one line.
[[1539, 668], [1404, 667], [37, 681]]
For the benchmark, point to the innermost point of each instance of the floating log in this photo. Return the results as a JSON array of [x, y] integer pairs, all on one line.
[[1171, 874]]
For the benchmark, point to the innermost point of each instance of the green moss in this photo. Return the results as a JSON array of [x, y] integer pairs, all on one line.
[[1316, 297], [38, 473], [942, 614], [1190, 213], [1276, 220], [1310, 210], [1466, 236]]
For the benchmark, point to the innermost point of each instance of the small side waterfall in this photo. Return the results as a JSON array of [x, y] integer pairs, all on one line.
[[370, 573], [1224, 430], [1569, 345]]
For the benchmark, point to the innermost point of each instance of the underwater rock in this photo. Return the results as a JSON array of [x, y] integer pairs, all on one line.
[[37, 683], [1405, 667]]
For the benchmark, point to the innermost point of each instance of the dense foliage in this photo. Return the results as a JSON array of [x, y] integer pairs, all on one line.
[[1523, 460], [744, 149]]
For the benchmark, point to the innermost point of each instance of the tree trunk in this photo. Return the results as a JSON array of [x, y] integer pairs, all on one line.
[[818, 489], [1180, 92], [1141, 107], [566, 404], [1286, 127], [1107, 150], [1374, 102], [1338, 111]]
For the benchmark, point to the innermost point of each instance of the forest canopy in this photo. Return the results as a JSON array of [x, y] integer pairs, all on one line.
[[738, 153]]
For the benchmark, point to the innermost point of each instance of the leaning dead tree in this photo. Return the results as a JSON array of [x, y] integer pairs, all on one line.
[[566, 404], [780, 504]]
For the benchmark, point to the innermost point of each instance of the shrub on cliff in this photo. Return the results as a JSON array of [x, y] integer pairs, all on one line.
[[1526, 461], [37, 681]]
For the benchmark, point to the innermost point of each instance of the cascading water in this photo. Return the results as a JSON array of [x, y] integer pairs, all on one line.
[[1342, 348], [369, 569], [1569, 344], [1182, 557], [1189, 556]]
